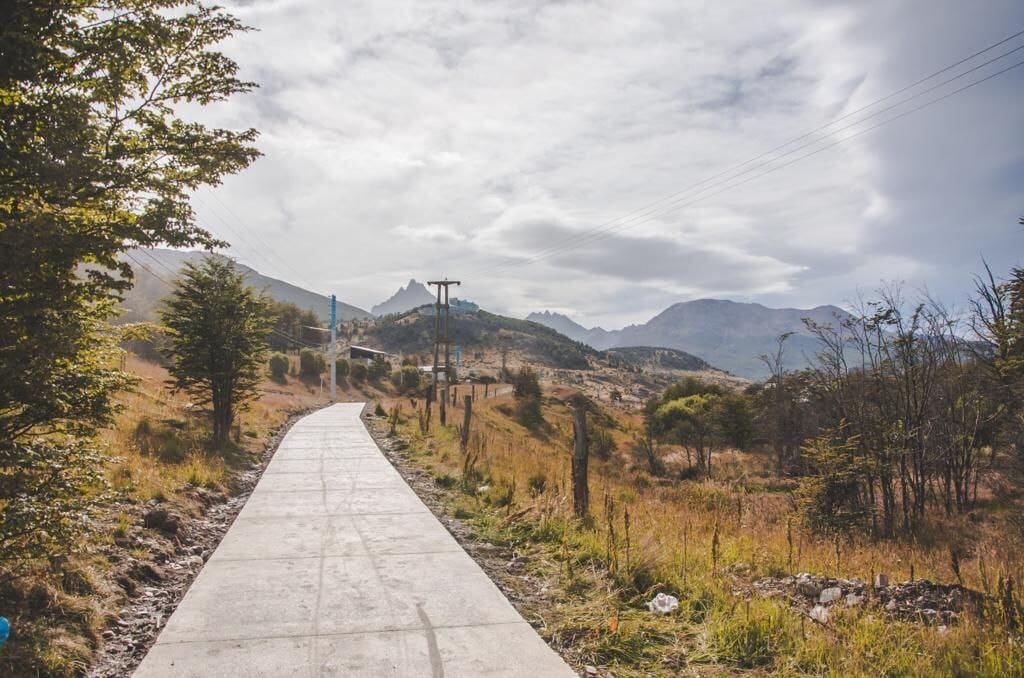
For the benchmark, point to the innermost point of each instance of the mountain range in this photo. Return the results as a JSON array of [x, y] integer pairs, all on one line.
[[155, 268], [727, 334], [413, 295]]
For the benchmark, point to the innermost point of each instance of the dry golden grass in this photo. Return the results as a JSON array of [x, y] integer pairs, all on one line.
[[648, 533], [158, 447]]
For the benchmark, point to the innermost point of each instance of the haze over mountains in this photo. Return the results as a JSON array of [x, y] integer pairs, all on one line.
[[727, 334], [159, 267], [411, 296]]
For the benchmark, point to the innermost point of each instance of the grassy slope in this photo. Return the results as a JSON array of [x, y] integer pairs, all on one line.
[[649, 535], [157, 453]]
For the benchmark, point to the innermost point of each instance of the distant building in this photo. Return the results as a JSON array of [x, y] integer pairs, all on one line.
[[365, 354]]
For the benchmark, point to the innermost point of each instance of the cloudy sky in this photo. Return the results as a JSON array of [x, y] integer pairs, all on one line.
[[579, 156]]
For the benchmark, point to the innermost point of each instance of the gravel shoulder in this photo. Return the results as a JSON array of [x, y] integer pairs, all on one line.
[[180, 545]]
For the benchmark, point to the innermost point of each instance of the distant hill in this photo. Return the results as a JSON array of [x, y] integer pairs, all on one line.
[[413, 295], [727, 334], [595, 336], [653, 357], [141, 302], [413, 332]]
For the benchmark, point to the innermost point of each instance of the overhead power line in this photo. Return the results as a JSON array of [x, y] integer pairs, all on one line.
[[645, 214], [172, 286], [264, 251], [730, 184], [149, 270]]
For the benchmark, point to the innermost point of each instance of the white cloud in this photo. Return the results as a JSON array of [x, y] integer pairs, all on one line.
[[414, 139]]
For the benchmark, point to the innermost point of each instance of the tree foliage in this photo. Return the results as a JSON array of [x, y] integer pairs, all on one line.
[[218, 339], [292, 321], [93, 160]]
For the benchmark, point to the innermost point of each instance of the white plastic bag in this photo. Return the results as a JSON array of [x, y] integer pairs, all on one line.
[[663, 604]]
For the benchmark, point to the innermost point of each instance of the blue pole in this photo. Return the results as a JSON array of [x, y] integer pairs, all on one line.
[[334, 347]]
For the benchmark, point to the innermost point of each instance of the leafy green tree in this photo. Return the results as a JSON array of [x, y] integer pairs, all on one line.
[[358, 372], [734, 419], [218, 339], [997, 320], [691, 420], [279, 366], [688, 387], [341, 368], [94, 159]]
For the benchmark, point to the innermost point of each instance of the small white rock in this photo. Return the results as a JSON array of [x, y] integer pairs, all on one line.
[[819, 614], [830, 594], [853, 600]]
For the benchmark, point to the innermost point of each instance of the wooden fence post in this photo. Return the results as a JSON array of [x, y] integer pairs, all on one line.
[[580, 488], [466, 417]]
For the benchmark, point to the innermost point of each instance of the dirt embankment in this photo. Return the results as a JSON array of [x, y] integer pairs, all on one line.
[[178, 544]]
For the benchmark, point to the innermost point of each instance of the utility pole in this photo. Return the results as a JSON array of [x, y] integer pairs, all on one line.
[[441, 337], [334, 348]]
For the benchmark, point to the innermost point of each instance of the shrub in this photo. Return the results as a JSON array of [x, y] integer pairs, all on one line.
[[601, 443], [160, 440], [525, 384], [378, 369], [358, 372], [278, 366], [446, 481], [379, 410], [528, 412], [341, 368], [538, 482], [406, 379], [311, 363], [831, 497]]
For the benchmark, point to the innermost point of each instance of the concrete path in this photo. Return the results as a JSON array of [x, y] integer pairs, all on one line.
[[336, 568]]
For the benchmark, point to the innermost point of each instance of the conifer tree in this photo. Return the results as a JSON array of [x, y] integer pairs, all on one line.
[[218, 339]]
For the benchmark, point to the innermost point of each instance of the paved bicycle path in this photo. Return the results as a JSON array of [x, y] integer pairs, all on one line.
[[334, 567]]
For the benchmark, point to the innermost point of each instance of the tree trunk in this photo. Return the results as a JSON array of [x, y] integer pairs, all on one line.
[[580, 488]]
